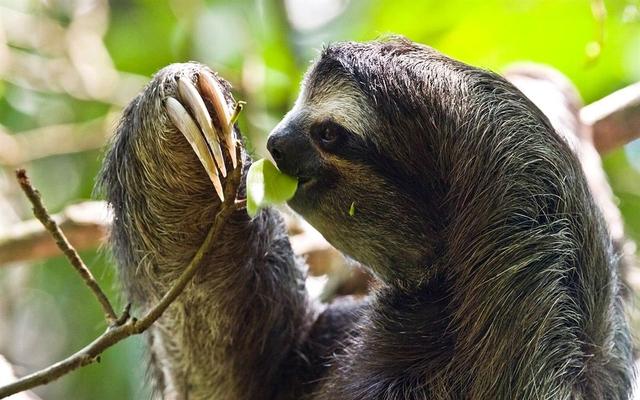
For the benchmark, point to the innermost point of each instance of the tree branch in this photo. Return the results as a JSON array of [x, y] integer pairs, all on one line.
[[52, 227], [85, 225], [123, 327], [27, 146], [615, 119]]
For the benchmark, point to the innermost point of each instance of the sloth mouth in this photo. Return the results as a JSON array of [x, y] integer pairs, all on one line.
[[305, 182]]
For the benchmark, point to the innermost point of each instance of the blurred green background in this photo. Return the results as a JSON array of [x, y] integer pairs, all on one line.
[[67, 67]]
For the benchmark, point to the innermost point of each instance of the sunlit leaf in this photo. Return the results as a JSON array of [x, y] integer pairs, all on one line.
[[266, 186]]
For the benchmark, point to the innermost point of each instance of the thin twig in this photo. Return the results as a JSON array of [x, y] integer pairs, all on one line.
[[124, 326], [237, 109], [43, 216], [227, 208], [124, 317]]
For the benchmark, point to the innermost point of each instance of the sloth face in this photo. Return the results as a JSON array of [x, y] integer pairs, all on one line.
[[355, 184], [411, 141], [320, 140]]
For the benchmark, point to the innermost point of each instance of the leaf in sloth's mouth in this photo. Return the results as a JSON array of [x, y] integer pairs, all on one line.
[[266, 186]]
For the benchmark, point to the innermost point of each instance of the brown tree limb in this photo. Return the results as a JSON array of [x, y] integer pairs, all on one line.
[[615, 119], [41, 213], [85, 224], [19, 149], [125, 326]]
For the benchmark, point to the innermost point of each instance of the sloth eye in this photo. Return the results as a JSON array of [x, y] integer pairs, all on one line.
[[328, 134]]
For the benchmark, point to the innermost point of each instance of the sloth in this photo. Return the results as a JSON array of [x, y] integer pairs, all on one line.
[[495, 274]]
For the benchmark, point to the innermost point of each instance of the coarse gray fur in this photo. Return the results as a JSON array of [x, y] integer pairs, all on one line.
[[497, 278]]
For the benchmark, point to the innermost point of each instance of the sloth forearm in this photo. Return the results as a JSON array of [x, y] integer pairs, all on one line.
[[244, 313]]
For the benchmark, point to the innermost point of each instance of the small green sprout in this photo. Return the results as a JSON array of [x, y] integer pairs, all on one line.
[[352, 209]]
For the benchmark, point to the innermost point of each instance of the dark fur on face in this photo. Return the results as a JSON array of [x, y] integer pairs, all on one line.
[[497, 276]]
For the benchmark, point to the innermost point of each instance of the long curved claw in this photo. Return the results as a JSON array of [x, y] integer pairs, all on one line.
[[188, 127], [191, 97], [210, 88]]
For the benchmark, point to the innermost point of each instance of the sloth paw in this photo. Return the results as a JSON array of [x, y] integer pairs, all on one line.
[[206, 135]]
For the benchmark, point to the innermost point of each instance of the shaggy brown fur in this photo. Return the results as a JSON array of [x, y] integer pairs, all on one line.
[[497, 275]]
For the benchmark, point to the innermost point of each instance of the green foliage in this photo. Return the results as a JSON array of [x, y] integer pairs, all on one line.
[[266, 186]]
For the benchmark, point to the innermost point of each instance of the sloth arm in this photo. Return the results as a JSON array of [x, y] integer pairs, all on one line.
[[244, 328]]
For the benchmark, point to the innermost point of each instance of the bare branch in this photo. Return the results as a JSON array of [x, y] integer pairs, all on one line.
[[53, 140], [615, 119], [227, 208], [85, 225], [124, 326], [41, 214]]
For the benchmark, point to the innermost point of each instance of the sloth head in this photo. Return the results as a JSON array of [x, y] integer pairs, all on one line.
[[390, 140]]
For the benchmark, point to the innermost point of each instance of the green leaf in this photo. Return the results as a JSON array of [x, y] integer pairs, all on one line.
[[266, 186]]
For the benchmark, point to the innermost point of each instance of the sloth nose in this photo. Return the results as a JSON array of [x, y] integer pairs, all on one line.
[[284, 147], [274, 148], [292, 150]]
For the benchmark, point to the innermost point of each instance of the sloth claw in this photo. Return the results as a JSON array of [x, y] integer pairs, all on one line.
[[191, 97], [197, 125], [188, 127], [211, 89]]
